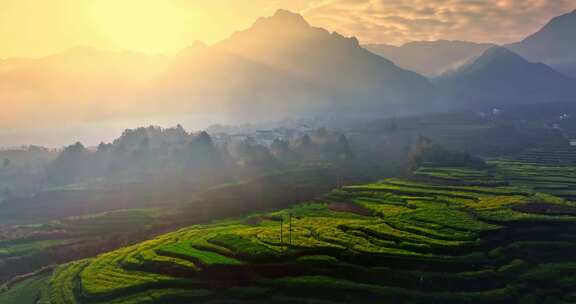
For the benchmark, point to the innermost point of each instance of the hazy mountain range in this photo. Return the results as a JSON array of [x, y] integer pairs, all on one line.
[[500, 76], [280, 67], [554, 45], [80, 84], [430, 58], [7, 65]]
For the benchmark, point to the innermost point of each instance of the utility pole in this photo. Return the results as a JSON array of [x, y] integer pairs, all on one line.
[[340, 177], [281, 230], [290, 227]]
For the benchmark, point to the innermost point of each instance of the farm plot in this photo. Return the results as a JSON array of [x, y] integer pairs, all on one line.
[[555, 178], [396, 240]]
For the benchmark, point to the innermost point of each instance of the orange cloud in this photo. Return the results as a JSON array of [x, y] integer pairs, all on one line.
[[400, 21], [38, 28]]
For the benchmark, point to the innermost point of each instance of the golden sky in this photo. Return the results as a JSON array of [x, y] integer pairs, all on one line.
[[33, 28]]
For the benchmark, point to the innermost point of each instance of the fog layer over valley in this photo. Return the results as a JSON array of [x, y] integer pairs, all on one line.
[[290, 164], [280, 67]]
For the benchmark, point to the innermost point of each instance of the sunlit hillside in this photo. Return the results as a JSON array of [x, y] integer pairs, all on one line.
[[320, 152]]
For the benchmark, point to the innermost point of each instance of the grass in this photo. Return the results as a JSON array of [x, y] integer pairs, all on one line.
[[186, 251], [25, 292], [31, 247], [433, 241], [62, 285]]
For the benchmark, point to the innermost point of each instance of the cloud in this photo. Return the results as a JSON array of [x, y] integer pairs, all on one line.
[[38, 28], [400, 21]]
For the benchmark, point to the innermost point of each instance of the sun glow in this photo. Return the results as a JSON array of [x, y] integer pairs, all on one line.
[[148, 25]]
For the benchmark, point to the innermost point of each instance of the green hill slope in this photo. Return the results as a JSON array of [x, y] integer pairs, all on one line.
[[397, 241]]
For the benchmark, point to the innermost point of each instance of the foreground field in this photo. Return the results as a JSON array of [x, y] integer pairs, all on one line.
[[31, 244], [397, 241]]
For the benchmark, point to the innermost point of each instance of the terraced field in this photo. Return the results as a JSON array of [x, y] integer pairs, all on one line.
[[557, 177], [559, 180], [397, 241], [556, 156], [27, 248], [26, 291]]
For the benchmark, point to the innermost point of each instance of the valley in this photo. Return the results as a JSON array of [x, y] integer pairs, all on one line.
[[322, 152], [400, 240]]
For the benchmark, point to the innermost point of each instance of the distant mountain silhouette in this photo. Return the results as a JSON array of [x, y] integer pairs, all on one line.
[[81, 80], [282, 65], [500, 76], [7, 65], [83, 68], [554, 44], [430, 58]]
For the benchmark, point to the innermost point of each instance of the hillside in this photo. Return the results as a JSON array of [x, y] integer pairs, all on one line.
[[430, 58], [554, 44], [402, 241], [79, 83], [282, 66], [500, 77], [279, 67], [7, 65]]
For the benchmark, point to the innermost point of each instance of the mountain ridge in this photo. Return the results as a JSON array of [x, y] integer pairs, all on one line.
[[500, 76], [554, 44], [416, 55], [301, 67]]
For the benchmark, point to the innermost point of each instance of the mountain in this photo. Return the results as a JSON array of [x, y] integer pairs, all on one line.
[[80, 81], [282, 66], [9, 64], [554, 44], [499, 76], [430, 58], [279, 67], [83, 70]]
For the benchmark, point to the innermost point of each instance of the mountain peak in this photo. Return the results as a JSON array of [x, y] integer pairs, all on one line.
[[496, 56], [500, 75], [287, 15], [284, 18], [554, 44], [559, 27], [499, 54], [82, 49], [198, 44]]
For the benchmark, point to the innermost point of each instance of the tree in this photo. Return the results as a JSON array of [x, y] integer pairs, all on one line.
[[281, 150], [344, 149], [70, 166], [306, 148], [6, 163], [202, 158], [392, 125], [425, 151]]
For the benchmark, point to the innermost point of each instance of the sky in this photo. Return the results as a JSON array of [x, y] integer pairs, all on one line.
[[36, 28]]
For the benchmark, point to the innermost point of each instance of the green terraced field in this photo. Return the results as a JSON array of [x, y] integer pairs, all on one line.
[[556, 156], [559, 180], [555, 178], [11, 250], [24, 292], [396, 241]]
